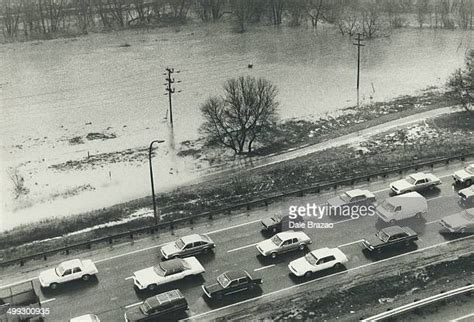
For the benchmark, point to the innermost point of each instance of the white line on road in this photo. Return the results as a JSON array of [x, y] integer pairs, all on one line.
[[239, 248], [128, 278], [351, 243], [232, 227], [20, 282], [463, 317], [132, 305], [432, 222], [264, 267], [343, 221], [325, 277], [47, 301]]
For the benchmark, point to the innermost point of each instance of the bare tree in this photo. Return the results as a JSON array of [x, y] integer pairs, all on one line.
[[242, 116], [243, 10], [316, 10], [276, 8], [461, 84], [180, 9], [11, 18], [19, 188], [297, 11], [348, 20], [422, 10], [371, 20]]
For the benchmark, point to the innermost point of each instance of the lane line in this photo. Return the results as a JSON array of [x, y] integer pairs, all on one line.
[[132, 305], [232, 227], [20, 282], [48, 300], [345, 220], [128, 278], [351, 243], [325, 277], [239, 248], [432, 222], [264, 267], [463, 317]]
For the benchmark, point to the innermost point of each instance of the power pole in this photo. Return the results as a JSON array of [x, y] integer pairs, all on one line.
[[170, 90], [359, 44]]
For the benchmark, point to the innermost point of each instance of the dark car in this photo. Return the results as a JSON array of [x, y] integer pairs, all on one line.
[[157, 307], [231, 282], [393, 236], [466, 196], [278, 223]]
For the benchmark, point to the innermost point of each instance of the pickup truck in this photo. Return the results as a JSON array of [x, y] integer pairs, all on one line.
[[229, 283], [393, 236], [68, 271]]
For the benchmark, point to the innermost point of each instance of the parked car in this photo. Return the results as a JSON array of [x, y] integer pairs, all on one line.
[[70, 270], [466, 196], [461, 222], [166, 272], [231, 282], [354, 197], [283, 242], [85, 318], [318, 260], [158, 307], [406, 206], [278, 223], [415, 182], [465, 176], [187, 246], [393, 236]]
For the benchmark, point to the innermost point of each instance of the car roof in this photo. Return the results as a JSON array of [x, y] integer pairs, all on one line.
[[193, 238], [326, 251], [71, 263], [166, 297], [232, 275], [290, 234], [356, 192], [402, 199], [418, 175], [393, 230], [467, 191], [172, 266]]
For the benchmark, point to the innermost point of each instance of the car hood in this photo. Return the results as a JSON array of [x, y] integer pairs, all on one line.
[[147, 276], [134, 313], [212, 288], [170, 249], [267, 245], [301, 265], [374, 241], [336, 202], [456, 221], [462, 174], [401, 184], [48, 275], [269, 221]]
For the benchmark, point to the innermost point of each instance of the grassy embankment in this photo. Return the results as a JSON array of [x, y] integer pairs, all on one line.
[[454, 136]]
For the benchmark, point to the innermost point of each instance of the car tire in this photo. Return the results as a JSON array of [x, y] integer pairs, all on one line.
[[468, 182], [419, 215], [302, 246], [53, 286], [274, 230], [251, 287], [205, 250], [219, 297], [463, 230], [392, 222], [86, 277], [308, 274], [152, 287], [337, 266], [407, 243], [273, 255]]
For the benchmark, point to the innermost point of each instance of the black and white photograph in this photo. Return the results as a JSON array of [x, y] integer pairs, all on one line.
[[236, 160]]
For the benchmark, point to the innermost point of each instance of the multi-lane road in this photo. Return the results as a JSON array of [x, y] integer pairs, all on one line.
[[112, 293]]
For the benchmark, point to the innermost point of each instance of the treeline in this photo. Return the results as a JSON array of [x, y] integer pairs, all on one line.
[[50, 18]]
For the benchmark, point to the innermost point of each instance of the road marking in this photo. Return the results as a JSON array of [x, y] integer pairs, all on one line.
[[48, 300], [325, 277], [463, 317], [129, 253], [239, 248], [264, 267], [132, 305], [432, 222], [343, 221], [128, 278], [232, 227], [351, 243]]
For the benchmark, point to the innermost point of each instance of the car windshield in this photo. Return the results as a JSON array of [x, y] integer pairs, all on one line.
[[223, 280], [383, 236], [159, 270], [388, 206], [180, 244], [470, 169], [277, 218], [311, 258], [145, 307], [345, 197], [276, 240], [59, 270], [410, 180]]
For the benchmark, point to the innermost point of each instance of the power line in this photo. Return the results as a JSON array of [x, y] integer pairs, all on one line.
[[171, 90], [359, 44]]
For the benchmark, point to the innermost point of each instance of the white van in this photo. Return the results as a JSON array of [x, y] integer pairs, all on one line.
[[402, 207]]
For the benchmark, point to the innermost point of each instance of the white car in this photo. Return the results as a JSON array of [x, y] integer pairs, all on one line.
[[465, 176], [415, 182], [283, 242], [318, 260], [67, 271], [165, 272], [85, 318]]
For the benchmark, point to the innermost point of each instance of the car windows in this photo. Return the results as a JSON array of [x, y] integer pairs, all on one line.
[[234, 283], [67, 272], [398, 208], [326, 260], [287, 242], [76, 270], [294, 240], [188, 246], [243, 281]]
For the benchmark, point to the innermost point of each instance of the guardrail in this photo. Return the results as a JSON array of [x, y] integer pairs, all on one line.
[[419, 303], [171, 224]]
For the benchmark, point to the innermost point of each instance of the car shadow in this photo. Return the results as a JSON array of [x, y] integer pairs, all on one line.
[[417, 224], [71, 287], [186, 283], [233, 298], [389, 252], [281, 258], [316, 275], [448, 236]]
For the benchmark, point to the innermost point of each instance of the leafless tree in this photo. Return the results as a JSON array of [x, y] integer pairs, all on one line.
[[276, 10], [316, 10], [239, 118], [297, 11], [180, 9], [11, 19], [209, 10], [19, 188], [371, 20], [422, 10], [243, 11], [461, 84]]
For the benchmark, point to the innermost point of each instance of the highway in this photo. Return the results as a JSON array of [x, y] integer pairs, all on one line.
[[235, 239]]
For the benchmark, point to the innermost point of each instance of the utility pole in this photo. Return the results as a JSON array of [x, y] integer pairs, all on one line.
[[359, 44], [170, 90], [155, 214]]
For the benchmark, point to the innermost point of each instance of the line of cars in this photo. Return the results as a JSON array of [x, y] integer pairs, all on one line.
[[178, 260]]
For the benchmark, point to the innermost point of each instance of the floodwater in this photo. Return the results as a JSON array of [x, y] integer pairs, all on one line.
[[53, 91]]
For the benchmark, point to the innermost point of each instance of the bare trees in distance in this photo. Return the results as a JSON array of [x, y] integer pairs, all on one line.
[[47, 18], [242, 115]]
